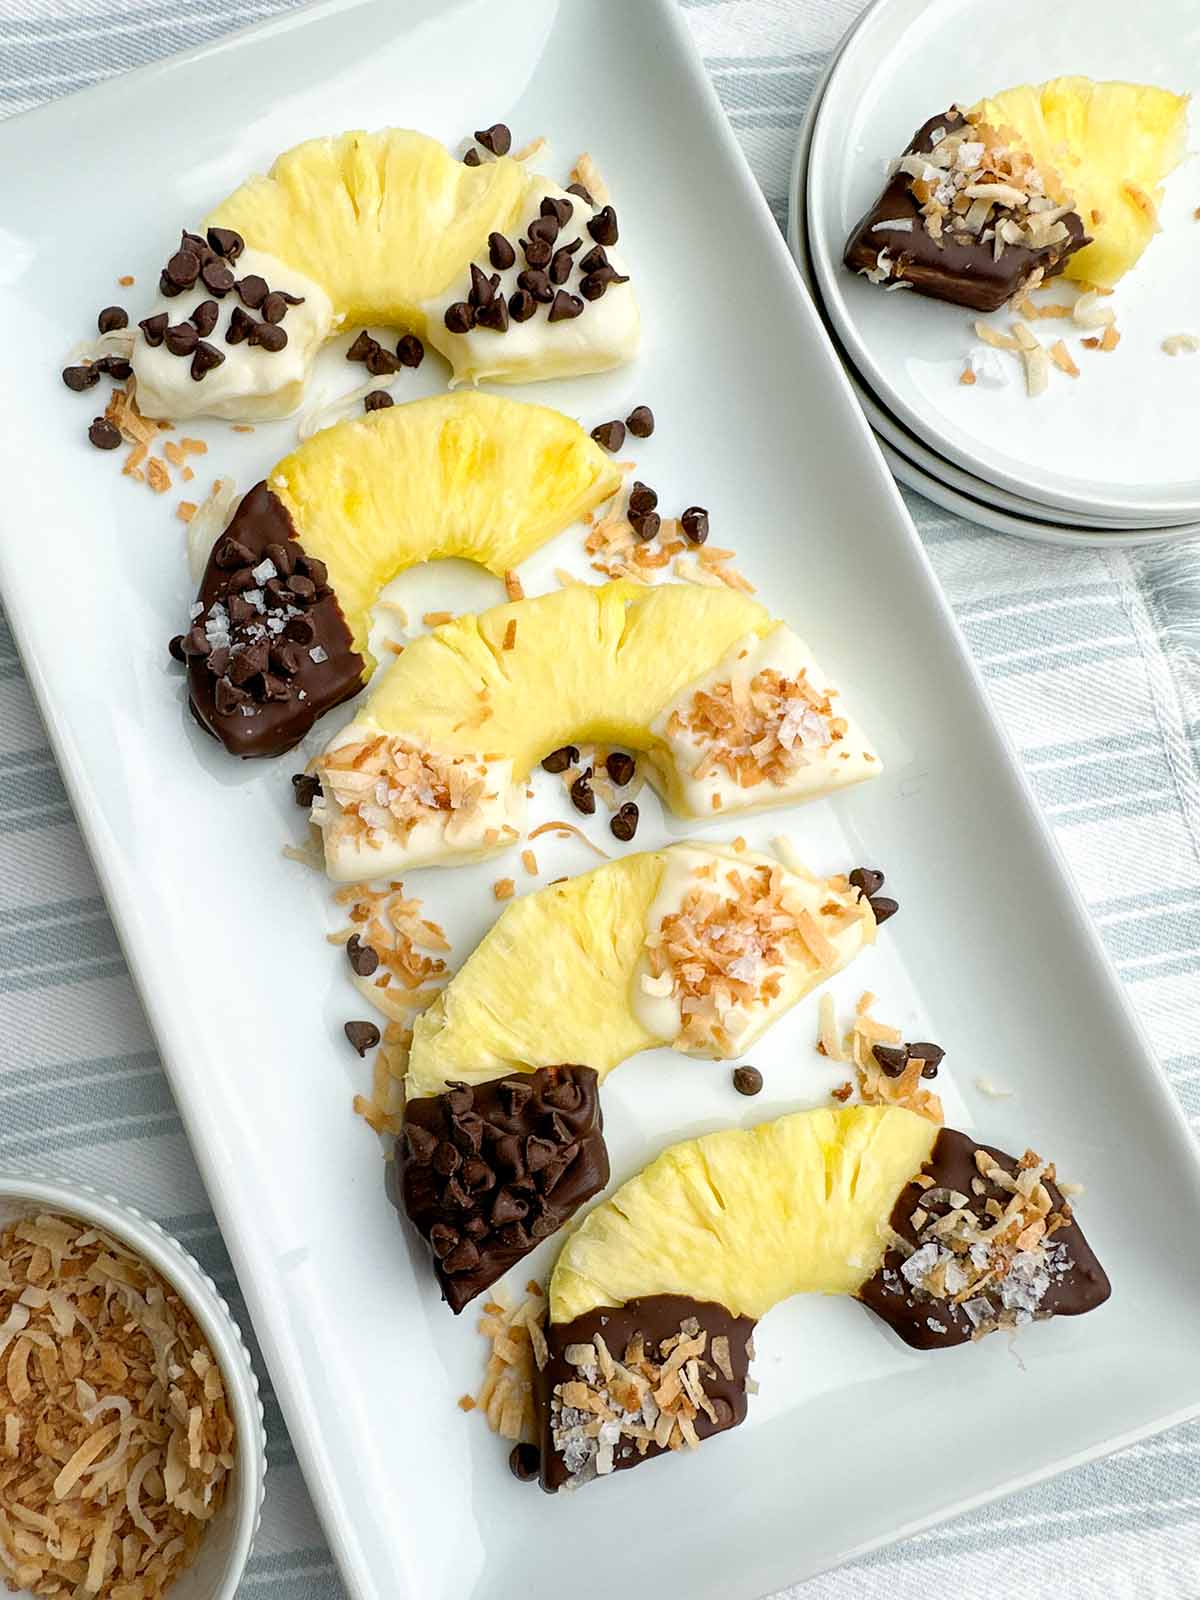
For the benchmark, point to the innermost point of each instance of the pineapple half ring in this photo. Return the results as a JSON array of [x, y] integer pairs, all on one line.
[[278, 633], [654, 1297], [699, 947], [732, 710]]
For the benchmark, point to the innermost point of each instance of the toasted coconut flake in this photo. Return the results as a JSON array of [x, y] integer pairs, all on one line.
[[586, 172], [1087, 311], [1062, 359], [874, 1085], [565, 828], [993, 336], [504, 888], [529, 862], [517, 1345], [1109, 339], [1176, 344]]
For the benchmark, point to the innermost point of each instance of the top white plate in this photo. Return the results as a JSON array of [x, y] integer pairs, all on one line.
[[854, 1439], [1121, 438]]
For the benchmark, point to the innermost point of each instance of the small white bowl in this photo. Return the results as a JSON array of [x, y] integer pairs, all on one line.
[[225, 1548]]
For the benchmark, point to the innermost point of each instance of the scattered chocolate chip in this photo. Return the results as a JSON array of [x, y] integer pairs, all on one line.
[[471, 159], [442, 1237], [228, 697], [377, 400], [217, 278], [362, 347], [544, 228], [565, 307], [382, 363], [582, 797], [282, 555], [250, 661], [166, 287], [640, 422], [285, 658], [882, 906], [494, 315], [153, 328], [868, 879], [204, 317], [537, 252], [624, 824], [253, 290], [560, 266], [231, 554], [218, 662], [694, 522], [645, 524], [313, 568], [305, 789], [642, 498], [892, 1058], [226, 242], [482, 290], [80, 378], [182, 270], [410, 350], [274, 308], [524, 1462], [181, 339], [596, 283], [610, 436], [195, 642], [508, 1207], [500, 252], [538, 285], [930, 1055], [747, 1080], [112, 318], [362, 958], [241, 326], [206, 357], [116, 367], [104, 434], [521, 305], [620, 767], [603, 226], [460, 317], [300, 630], [463, 1258], [554, 206], [363, 1036], [497, 138], [560, 760], [595, 259], [176, 650], [269, 336], [478, 1176], [578, 188]]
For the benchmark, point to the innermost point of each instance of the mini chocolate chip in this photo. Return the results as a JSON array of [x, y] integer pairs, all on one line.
[[471, 159], [610, 436], [447, 1159], [80, 378], [112, 318], [544, 228], [300, 629], [640, 422], [455, 1195], [218, 661], [217, 278], [277, 594], [250, 660], [226, 242], [175, 647], [620, 767], [559, 760], [565, 307], [539, 1153], [116, 367], [104, 434], [544, 1224], [228, 697], [555, 206], [500, 253], [240, 609], [382, 363], [594, 260], [747, 1080], [195, 641], [193, 242], [494, 315], [420, 1143], [243, 578], [722, 1410], [274, 308], [645, 524], [460, 1097], [460, 317], [362, 347], [892, 1058], [206, 357], [524, 1462], [205, 316], [694, 522], [363, 1036], [538, 252], [305, 789], [182, 269], [468, 1128], [313, 568], [508, 1153], [253, 290], [556, 1129], [565, 1096], [595, 283], [463, 1258], [282, 555], [931, 1055], [582, 797], [182, 339], [642, 497], [475, 1227], [482, 290], [377, 400], [868, 879], [166, 287], [478, 1176], [362, 958], [521, 305], [497, 138], [507, 1207], [231, 553], [603, 226], [241, 326], [584, 195], [442, 1239], [882, 906], [304, 589], [514, 1237], [624, 824], [538, 285], [285, 658], [153, 328], [410, 350], [560, 266], [269, 336]]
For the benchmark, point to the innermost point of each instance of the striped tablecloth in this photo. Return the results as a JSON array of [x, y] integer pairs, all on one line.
[[1092, 663]]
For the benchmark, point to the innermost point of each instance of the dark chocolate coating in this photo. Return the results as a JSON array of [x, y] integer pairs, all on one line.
[[273, 726], [1082, 1288], [657, 1317], [539, 1135], [965, 272]]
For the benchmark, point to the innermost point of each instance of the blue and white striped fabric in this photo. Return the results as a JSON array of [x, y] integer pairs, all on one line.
[[1093, 665]]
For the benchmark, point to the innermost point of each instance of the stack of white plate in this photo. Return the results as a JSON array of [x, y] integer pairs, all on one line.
[[1110, 457]]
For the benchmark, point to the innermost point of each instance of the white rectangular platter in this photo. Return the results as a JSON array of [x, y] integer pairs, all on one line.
[[853, 1439]]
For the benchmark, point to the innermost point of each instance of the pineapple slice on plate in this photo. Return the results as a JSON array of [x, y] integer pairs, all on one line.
[[279, 630], [730, 707], [1112, 145], [385, 221], [697, 946], [654, 1296]]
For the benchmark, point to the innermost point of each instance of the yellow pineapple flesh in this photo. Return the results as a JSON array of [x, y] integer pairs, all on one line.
[[1112, 145], [384, 221], [466, 474], [749, 1217]]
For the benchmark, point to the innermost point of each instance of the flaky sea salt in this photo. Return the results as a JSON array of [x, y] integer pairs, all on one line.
[[318, 654], [264, 571]]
